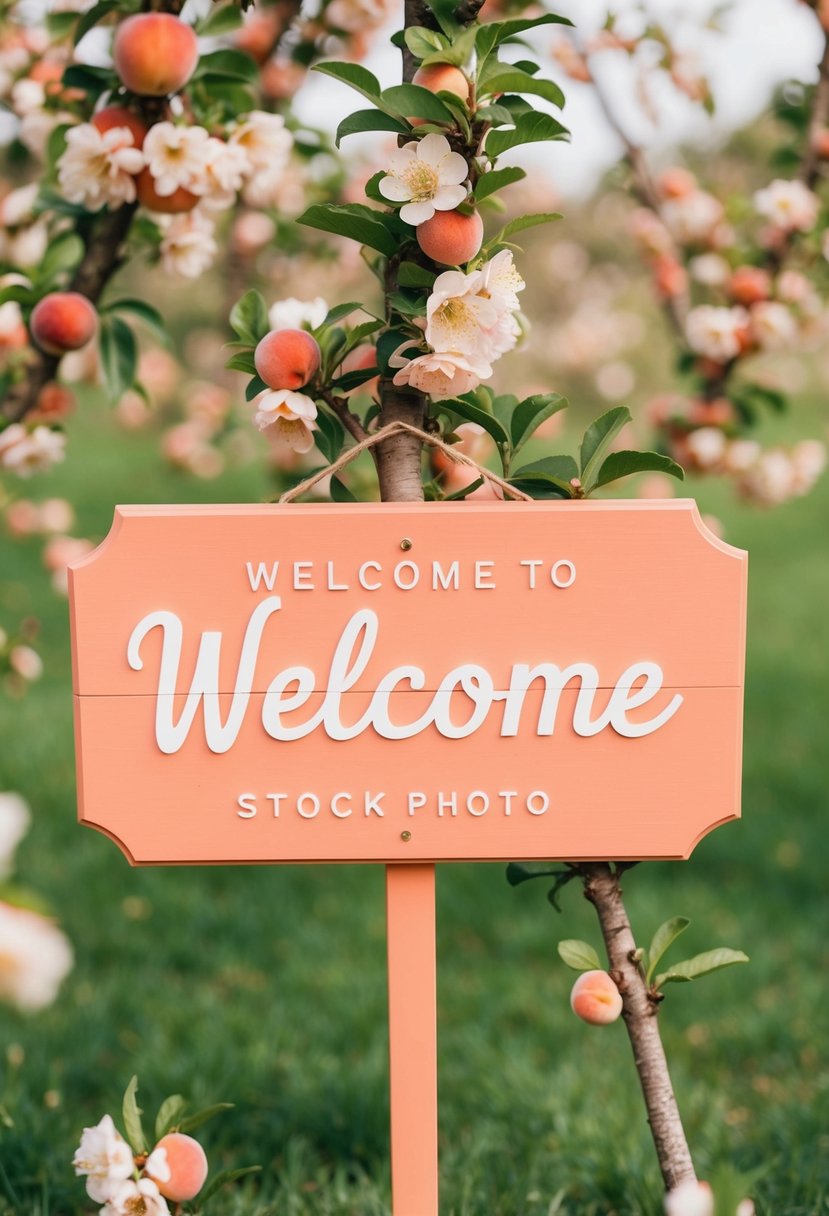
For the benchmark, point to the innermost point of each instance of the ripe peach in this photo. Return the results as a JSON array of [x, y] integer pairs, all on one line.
[[670, 277], [676, 183], [287, 358], [357, 360], [120, 116], [595, 998], [62, 321], [154, 53], [820, 143], [749, 285], [450, 237], [443, 78], [188, 1167], [168, 204]]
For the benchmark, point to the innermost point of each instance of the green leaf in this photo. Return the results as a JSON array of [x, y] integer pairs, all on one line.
[[352, 74], [370, 120], [143, 311], [413, 101], [522, 222], [579, 956], [563, 468], [222, 20], [242, 362], [422, 41], [64, 253], [699, 965], [352, 220], [132, 1119], [488, 183], [531, 413], [59, 25], [222, 1179], [465, 491], [495, 33], [93, 81], [329, 436], [507, 78], [201, 1116], [168, 1113], [92, 16], [538, 485], [341, 310], [351, 380], [340, 491], [523, 871], [249, 318], [529, 128], [623, 464], [444, 11], [232, 65], [119, 357], [474, 413], [255, 387], [459, 53], [410, 274], [663, 938], [596, 439]]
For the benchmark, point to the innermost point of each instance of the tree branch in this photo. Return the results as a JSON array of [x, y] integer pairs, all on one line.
[[99, 263], [675, 307], [350, 421], [602, 889], [818, 120]]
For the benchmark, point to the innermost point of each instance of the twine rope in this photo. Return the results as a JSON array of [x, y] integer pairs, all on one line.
[[396, 428]]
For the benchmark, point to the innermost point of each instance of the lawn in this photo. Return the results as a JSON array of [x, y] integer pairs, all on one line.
[[266, 987]]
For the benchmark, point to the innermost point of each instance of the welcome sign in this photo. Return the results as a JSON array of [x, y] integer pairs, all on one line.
[[403, 683]]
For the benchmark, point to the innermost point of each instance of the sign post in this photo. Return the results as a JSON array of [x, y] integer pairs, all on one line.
[[409, 683]]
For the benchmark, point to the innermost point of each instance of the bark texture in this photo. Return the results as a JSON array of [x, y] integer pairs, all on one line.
[[602, 888]]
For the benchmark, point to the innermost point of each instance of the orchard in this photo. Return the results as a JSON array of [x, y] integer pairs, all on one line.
[[393, 338]]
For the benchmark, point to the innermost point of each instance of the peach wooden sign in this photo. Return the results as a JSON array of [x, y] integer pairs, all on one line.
[[409, 683]]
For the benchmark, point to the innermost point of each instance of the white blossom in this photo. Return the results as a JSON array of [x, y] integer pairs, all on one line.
[[157, 1165], [709, 269], [288, 417], [131, 1198], [177, 157], [690, 1198], [27, 96], [808, 463], [440, 374], [788, 205], [18, 206], [458, 315], [188, 247], [426, 176], [771, 480], [296, 314], [714, 332], [225, 171], [25, 452], [25, 663], [693, 217], [707, 446], [35, 957], [99, 168], [14, 823], [772, 325], [265, 139]]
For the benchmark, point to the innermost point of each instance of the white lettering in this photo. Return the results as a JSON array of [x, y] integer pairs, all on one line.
[[531, 564], [445, 580], [335, 806], [567, 578], [361, 576], [248, 804], [414, 575], [483, 576], [416, 800], [305, 800], [544, 802], [262, 575], [302, 576]]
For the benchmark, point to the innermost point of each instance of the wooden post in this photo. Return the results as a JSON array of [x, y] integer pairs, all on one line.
[[410, 919]]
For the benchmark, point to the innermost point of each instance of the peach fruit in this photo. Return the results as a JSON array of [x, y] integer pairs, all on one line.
[[595, 998], [188, 1167], [450, 237], [749, 285], [154, 54], [287, 358], [168, 204], [120, 116], [63, 321], [443, 78]]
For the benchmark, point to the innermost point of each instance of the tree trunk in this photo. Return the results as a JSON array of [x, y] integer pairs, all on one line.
[[601, 887]]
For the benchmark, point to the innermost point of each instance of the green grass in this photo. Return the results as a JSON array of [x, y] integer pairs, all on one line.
[[266, 987]]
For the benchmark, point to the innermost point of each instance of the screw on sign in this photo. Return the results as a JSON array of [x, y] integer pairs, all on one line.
[[588, 654]]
